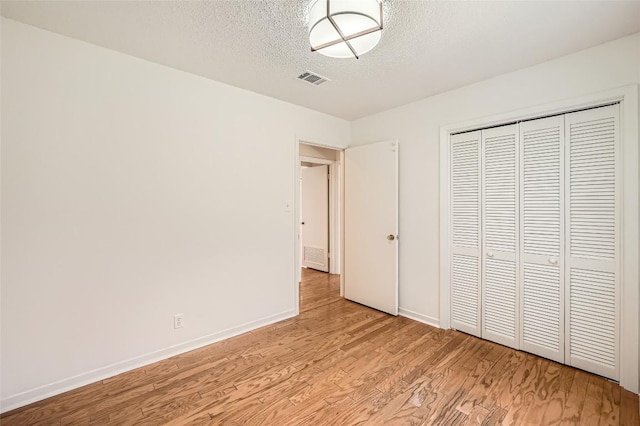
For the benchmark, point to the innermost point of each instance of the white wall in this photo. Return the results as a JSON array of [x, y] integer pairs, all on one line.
[[416, 126], [129, 195]]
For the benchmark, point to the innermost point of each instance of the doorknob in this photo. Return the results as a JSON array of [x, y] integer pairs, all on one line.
[[391, 237], [553, 260], [301, 223], [489, 254]]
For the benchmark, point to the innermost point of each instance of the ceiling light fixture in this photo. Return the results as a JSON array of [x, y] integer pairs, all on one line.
[[345, 28]]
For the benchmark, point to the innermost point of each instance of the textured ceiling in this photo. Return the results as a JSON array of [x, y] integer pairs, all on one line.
[[427, 47]]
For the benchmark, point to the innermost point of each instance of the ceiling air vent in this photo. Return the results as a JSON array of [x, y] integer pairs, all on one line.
[[312, 78]]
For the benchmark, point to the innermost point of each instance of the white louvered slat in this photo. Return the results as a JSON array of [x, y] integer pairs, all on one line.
[[593, 317], [592, 183], [499, 230], [500, 189], [542, 325], [500, 298], [465, 232], [541, 237], [592, 240], [465, 308], [465, 192]]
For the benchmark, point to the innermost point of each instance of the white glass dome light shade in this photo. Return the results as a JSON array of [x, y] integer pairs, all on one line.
[[352, 17]]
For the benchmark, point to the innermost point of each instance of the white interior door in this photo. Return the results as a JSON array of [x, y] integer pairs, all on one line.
[[315, 217], [371, 226], [593, 255], [542, 233], [500, 215], [465, 233]]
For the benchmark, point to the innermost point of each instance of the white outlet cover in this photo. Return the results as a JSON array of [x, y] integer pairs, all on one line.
[[178, 320]]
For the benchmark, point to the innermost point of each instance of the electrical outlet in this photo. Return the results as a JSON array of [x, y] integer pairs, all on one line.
[[178, 320]]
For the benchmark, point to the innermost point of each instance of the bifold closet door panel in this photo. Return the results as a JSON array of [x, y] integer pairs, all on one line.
[[465, 232], [541, 239], [499, 235], [592, 185]]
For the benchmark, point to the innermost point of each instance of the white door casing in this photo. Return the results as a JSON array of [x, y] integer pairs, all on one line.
[[315, 217], [546, 291], [371, 225], [627, 230]]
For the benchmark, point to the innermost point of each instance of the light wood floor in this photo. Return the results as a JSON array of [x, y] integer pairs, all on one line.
[[340, 363]]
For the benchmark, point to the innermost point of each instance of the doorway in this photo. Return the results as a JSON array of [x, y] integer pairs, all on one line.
[[363, 220], [319, 208], [314, 216]]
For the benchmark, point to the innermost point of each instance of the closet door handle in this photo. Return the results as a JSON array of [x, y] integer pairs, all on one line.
[[489, 254], [553, 260]]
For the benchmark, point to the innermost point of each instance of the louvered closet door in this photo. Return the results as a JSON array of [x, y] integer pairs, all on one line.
[[592, 240], [500, 224], [542, 259], [465, 232]]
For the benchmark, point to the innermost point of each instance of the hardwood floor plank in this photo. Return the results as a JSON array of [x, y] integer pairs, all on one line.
[[160, 410], [448, 418], [390, 403], [481, 384], [400, 341], [128, 415], [593, 401], [459, 379], [479, 393], [547, 385], [529, 378], [495, 417], [266, 414], [629, 415], [511, 385], [610, 411], [416, 361], [48, 422], [340, 363], [496, 395], [329, 415], [558, 399], [576, 400], [476, 416], [220, 400]]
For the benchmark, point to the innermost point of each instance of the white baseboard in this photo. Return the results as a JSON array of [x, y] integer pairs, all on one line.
[[434, 322], [36, 394]]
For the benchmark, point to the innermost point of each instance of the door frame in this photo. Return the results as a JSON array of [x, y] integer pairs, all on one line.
[[327, 217], [629, 205], [336, 213]]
